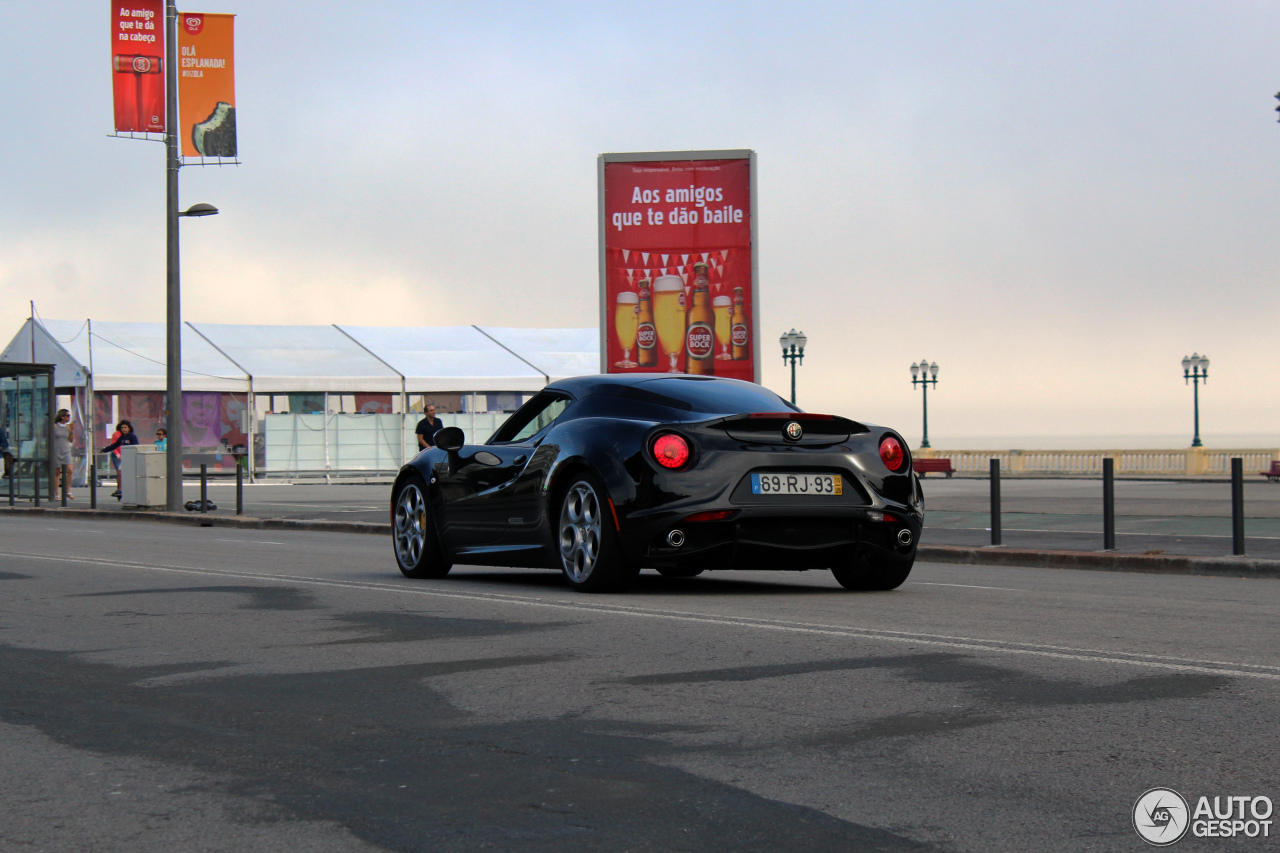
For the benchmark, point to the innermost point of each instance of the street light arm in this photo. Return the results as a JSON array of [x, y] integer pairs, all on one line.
[[201, 209]]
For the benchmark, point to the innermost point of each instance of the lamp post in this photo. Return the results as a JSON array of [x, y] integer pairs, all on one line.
[[1194, 368], [173, 371], [923, 370], [793, 351]]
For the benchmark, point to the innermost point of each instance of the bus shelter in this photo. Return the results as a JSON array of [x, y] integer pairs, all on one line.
[[27, 401]]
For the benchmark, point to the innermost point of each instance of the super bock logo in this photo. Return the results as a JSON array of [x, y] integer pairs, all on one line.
[[701, 340]]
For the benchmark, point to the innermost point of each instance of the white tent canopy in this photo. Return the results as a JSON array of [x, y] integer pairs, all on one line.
[[123, 356], [69, 370], [292, 359], [301, 359], [447, 358], [556, 353]]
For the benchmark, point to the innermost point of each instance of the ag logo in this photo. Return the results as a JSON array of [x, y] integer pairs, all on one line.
[[1161, 817], [793, 431]]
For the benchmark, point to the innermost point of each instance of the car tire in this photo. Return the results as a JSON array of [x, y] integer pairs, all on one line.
[[587, 542], [869, 573], [413, 532], [680, 573]]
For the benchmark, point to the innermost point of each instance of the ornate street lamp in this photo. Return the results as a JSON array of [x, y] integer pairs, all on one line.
[[793, 351], [1194, 368], [923, 371]]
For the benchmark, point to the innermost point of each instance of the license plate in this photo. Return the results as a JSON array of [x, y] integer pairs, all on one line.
[[795, 483]]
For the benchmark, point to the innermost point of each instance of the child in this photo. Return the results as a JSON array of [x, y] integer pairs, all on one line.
[[162, 440], [124, 435]]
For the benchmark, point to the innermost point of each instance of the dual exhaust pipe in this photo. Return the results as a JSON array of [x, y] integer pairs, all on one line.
[[676, 538]]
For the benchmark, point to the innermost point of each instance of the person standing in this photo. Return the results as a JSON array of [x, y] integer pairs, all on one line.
[[123, 437], [62, 434], [4, 448], [427, 429]]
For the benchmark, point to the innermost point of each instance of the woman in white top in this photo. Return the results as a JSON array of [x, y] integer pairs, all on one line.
[[62, 428]]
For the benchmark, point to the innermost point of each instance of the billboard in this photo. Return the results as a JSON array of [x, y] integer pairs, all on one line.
[[678, 263], [206, 85], [137, 65]]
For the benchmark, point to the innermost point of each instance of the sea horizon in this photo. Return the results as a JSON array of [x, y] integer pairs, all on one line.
[[1137, 441]]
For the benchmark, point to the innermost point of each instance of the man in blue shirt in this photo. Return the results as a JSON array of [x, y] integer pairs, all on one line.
[[427, 429]]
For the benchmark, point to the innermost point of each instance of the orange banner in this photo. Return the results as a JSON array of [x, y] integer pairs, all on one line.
[[206, 85]]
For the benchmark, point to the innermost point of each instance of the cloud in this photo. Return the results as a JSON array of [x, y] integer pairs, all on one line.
[[1054, 203]]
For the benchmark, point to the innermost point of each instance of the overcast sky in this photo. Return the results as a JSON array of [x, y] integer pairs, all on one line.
[[1055, 202]]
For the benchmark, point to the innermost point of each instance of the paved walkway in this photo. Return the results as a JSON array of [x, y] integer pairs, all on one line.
[[1170, 517]]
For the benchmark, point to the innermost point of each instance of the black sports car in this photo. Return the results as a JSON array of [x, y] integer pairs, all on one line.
[[600, 476]]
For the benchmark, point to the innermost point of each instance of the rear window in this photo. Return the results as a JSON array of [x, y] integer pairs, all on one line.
[[717, 396]]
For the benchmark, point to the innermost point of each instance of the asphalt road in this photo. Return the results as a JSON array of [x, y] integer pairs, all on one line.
[[169, 688]]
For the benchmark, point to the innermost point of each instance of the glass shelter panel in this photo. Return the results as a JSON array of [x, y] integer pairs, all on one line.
[[25, 398]]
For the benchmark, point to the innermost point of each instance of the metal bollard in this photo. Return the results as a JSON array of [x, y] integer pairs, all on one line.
[[239, 487], [93, 481], [1237, 506], [204, 488], [995, 502], [13, 475], [66, 486], [1108, 504], [35, 473]]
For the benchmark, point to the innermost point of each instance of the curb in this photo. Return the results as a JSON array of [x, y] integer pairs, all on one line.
[[196, 519], [1102, 561], [1097, 561]]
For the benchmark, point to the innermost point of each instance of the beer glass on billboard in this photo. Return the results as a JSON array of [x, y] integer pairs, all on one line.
[[721, 306], [668, 316], [626, 321]]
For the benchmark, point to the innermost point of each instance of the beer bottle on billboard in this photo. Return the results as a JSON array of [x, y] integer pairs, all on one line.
[[700, 337], [647, 333], [738, 331], [700, 274]]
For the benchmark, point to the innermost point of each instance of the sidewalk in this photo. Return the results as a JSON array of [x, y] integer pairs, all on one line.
[[339, 502]]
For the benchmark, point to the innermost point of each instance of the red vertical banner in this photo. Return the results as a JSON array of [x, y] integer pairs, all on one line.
[[137, 65], [677, 258]]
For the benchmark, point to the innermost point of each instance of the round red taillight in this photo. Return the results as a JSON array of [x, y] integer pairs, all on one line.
[[891, 453], [671, 451]]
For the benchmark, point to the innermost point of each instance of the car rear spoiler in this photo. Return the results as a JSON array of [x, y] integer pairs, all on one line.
[[769, 427]]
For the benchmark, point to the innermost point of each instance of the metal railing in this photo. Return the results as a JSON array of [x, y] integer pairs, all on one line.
[[1191, 462]]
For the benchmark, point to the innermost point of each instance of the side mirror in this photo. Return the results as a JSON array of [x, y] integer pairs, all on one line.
[[450, 439]]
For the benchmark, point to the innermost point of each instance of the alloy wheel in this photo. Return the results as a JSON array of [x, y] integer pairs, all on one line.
[[580, 531], [410, 526]]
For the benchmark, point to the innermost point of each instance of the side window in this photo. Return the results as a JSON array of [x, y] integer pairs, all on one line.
[[533, 416]]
